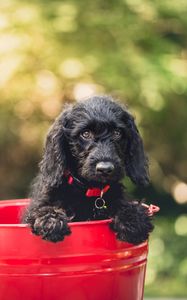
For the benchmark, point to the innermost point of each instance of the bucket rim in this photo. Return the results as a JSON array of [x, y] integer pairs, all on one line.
[[18, 202], [72, 224]]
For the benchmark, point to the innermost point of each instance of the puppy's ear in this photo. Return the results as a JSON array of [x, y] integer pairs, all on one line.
[[55, 162], [136, 162]]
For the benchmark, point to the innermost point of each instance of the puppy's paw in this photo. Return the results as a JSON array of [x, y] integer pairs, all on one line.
[[51, 224], [132, 224]]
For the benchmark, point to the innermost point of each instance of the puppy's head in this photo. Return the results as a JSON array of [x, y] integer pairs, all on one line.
[[98, 141]]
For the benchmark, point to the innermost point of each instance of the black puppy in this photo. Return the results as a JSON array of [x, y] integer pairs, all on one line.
[[89, 149]]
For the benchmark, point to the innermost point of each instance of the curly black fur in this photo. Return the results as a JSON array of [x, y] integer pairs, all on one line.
[[84, 135]]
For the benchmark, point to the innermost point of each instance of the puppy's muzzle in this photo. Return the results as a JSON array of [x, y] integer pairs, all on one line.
[[104, 168]]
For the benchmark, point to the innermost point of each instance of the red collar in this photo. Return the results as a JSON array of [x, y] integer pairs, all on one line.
[[97, 192], [90, 192]]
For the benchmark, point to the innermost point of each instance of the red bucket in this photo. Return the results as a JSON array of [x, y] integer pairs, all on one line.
[[90, 264]]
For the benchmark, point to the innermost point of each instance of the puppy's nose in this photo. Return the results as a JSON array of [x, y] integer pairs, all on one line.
[[105, 168]]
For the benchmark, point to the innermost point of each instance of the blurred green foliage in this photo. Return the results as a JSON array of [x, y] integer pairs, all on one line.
[[135, 50], [167, 261]]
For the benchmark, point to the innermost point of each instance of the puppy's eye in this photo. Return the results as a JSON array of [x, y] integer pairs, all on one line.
[[87, 135], [117, 133]]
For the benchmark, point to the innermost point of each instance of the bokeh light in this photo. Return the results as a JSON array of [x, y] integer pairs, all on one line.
[[180, 192]]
